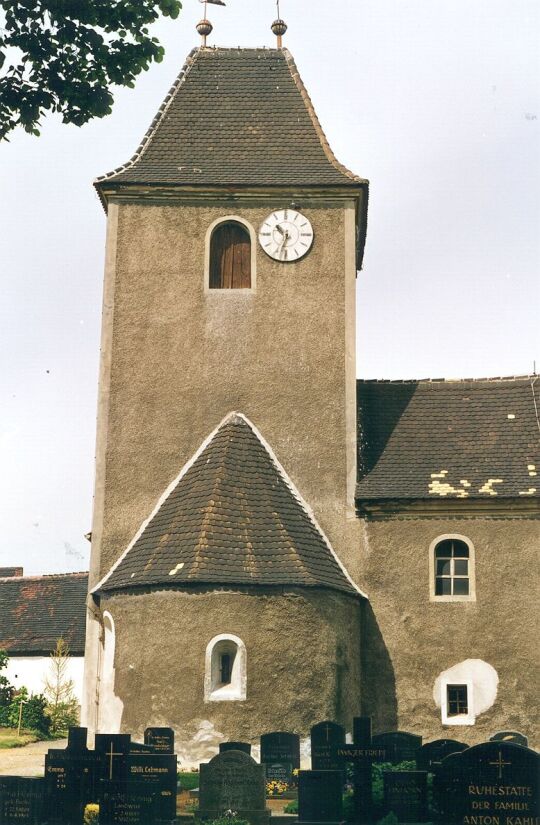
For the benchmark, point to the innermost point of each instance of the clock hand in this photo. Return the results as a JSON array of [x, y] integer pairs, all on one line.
[[280, 230]]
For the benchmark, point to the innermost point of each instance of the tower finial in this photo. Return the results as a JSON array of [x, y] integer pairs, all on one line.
[[204, 26], [279, 27]]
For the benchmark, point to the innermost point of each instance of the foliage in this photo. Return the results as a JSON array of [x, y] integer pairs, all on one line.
[[91, 814], [64, 56], [62, 704], [34, 717], [389, 819], [6, 690], [188, 780], [291, 807], [227, 818]]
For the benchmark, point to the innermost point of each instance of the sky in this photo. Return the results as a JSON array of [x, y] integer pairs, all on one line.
[[436, 103]]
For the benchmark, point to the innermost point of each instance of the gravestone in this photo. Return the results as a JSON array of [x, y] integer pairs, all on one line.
[[361, 755], [161, 739], [405, 794], [232, 781], [113, 749], [399, 746], [510, 736], [21, 800], [126, 803], [158, 771], [281, 747], [325, 738], [320, 796], [429, 757], [245, 747], [278, 772], [140, 747], [495, 783], [71, 777]]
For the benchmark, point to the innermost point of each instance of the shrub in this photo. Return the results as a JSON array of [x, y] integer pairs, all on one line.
[[389, 819], [291, 807], [62, 704]]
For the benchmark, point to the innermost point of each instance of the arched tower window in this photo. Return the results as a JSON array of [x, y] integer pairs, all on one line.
[[452, 569], [225, 669], [230, 257]]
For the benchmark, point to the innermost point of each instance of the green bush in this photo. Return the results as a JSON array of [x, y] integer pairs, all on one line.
[[188, 780], [33, 713], [6, 690], [291, 807], [228, 818], [389, 819]]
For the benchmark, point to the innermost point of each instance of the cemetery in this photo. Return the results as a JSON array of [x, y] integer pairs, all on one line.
[[386, 778]]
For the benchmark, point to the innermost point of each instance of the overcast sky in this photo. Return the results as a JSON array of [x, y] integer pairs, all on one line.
[[436, 103]]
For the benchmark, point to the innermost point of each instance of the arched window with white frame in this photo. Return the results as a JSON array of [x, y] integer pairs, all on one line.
[[225, 672], [230, 256], [452, 569]]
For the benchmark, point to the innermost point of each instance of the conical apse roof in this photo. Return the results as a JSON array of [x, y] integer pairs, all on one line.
[[231, 517]]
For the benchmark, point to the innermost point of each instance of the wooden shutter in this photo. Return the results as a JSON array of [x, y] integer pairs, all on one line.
[[230, 257]]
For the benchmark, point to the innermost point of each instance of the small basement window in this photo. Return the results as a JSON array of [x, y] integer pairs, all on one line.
[[457, 703], [225, 669]]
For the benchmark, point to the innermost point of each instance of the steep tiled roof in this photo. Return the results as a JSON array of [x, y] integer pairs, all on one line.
[[449, 439], [232, 517], [235, 117], [36, 610]]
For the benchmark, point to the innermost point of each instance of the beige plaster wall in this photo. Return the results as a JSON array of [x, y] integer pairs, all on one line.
[[303, 662], [182, 358], [410, 640]]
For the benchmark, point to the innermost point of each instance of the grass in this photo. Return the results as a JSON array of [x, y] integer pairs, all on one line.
[[9, 738], [188, 780]]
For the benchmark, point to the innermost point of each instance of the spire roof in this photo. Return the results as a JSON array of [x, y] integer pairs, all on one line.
[[232, 517], [235, 117]]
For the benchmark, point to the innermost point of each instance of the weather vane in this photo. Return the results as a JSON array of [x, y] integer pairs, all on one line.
[[204, 26], [279, 27]]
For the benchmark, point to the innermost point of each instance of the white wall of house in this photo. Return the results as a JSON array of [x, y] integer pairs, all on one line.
[[31, 672]]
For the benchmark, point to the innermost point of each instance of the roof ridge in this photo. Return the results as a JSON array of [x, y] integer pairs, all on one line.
[[489, 378], [327, 149], [36, 576]]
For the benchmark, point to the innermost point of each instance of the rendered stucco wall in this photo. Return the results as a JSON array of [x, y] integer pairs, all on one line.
[[409, 641], [303, 662]]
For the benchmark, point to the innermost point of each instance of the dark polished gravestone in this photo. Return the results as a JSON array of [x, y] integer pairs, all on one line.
[[281, 747], [71, 780], [325, 738], [159, 772], [361, 756], [430, 755], [405, 795], [245, 747], [399, 746], [278, 772], [161, 739], [233, 781], [21, 800], [320, 796], [510, 736], [113, 749], [495, 783], [127, 803]]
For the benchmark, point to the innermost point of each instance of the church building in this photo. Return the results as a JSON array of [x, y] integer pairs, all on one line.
[[276, 542]]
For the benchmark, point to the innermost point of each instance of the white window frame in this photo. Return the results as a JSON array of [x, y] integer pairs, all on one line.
[[236, 689], [468, 718], [471, 596], [253, 243]]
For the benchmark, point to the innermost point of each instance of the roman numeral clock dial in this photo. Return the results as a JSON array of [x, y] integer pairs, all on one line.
[[286, 235]]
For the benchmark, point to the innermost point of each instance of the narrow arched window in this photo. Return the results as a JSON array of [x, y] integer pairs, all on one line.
[[452, 569], [230, 257], [225, 669]]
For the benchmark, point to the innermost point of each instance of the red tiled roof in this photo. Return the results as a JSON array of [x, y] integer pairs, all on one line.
[[35, 611]]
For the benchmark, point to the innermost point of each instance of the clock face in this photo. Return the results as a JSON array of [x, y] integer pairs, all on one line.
[[286, 235]]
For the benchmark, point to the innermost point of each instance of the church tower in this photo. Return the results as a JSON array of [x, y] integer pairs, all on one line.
[[226, 452]]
